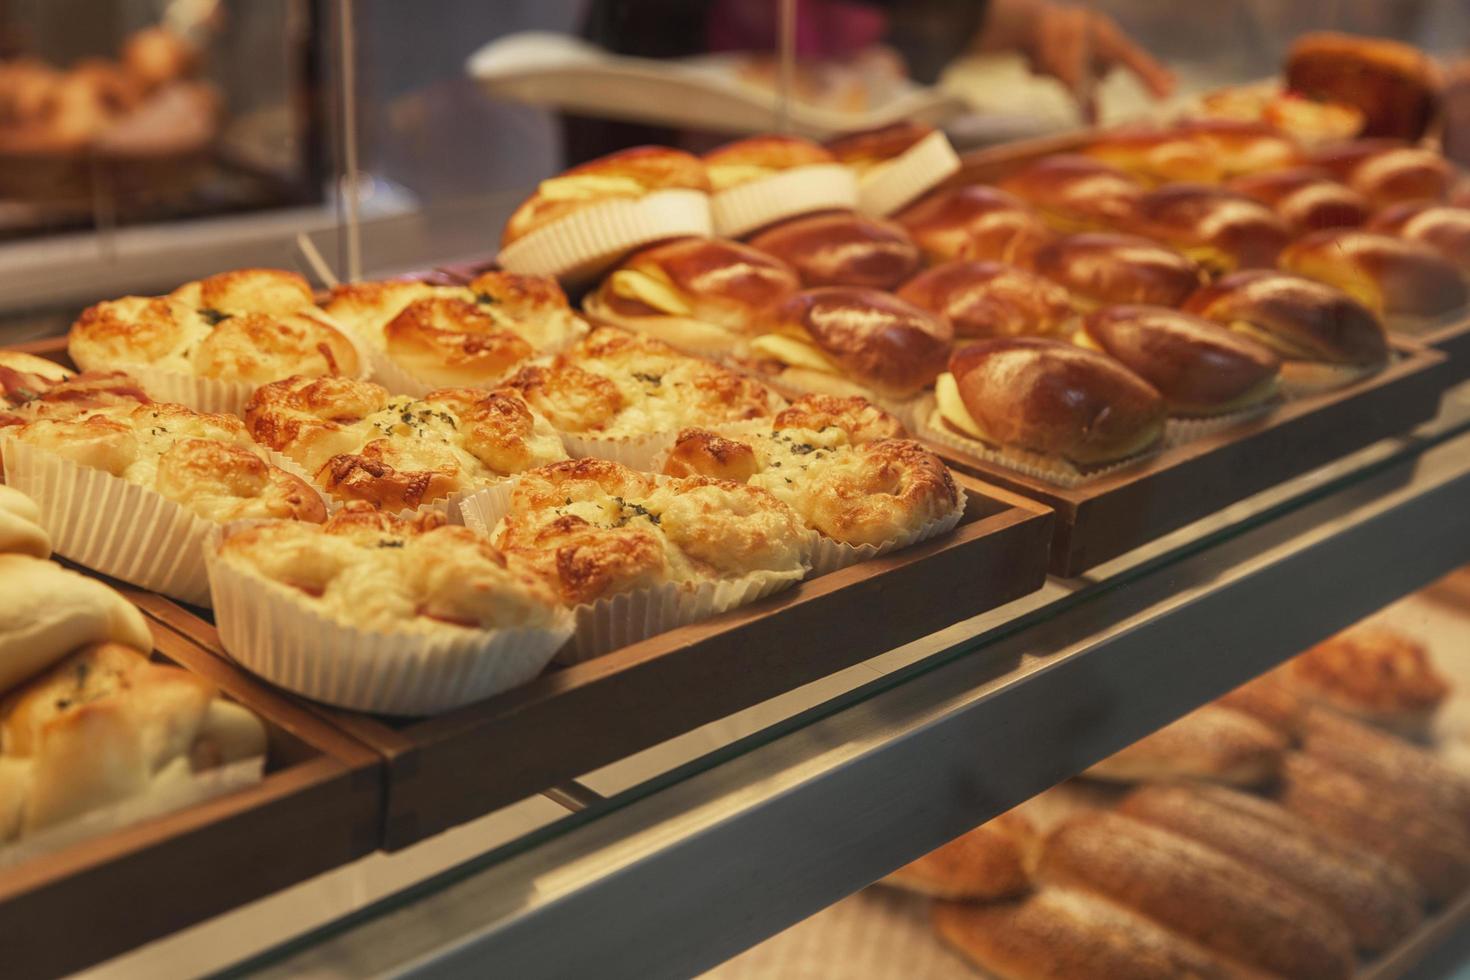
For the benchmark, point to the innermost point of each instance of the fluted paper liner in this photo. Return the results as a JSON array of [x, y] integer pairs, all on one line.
[[1180, 429], [276, 634], [916, 170], [742, 209], [1055, 470], [112, 526], [1331, 377], [628, 617], [587, 241]]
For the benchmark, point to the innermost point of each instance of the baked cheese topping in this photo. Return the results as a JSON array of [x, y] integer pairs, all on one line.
[[206, 463], [374, 571]]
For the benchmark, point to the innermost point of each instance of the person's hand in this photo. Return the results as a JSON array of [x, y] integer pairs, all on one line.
[[1077, 46]]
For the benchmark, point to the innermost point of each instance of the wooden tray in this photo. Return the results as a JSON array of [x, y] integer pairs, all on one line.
[[1128, 507], [446, 770], [319, 806]]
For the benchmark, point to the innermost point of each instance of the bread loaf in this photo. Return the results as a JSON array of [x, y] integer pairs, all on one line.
[[1211, 743], [989, 862]]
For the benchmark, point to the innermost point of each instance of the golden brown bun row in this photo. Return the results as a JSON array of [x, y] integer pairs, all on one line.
[[1205, 896], [974, 222], [1102, 268], [1219, 229], [1074, 192], [1395, 85], [992, 299], [1377, 900], [1306, 198], [1386, 171], [989, 862], [1443, 228], [1391, 275], [1297, 318], [842, 248], [1211, 743]]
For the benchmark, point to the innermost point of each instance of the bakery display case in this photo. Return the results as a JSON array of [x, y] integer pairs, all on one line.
[[740, 505]]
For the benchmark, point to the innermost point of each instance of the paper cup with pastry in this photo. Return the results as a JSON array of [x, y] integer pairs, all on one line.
[[379, 613], [701, 295], [1201, 368], [1219, 229], [974, 222], [1073, 192], [624, 397], [1443, 228], [355, 441], [21, 532], [1324, 338], [211, 343], [992, 299], [761, 180], [1387, 171], [636, 554], [842, 248], [865, 495], [1103, 268], [89, 722], [896, 164], [1305, 198], [1053, 410], [131, 491], [846, 341], [421, 336], [580, 222]]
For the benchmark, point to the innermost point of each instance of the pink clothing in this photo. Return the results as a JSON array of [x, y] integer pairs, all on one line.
[[824, 28]]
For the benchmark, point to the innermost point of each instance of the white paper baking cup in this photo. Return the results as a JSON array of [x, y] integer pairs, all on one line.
[[742, 209], [587, 241], [276, 634], [112, 526], [628, 617], [1328, 377], [1055, 470], [923, 166], [1179, 429]]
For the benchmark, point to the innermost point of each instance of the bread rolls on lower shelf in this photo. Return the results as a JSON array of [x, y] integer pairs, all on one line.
[[1376, 674], [1219, 229], [992, 299], [1211, 743], [974, 222], [1306, 198], [1268, 699], [1443, 228], [1205, 896], [1431, 846], [989, 862], [1377, 900], [1062, 934], [1100, 269]]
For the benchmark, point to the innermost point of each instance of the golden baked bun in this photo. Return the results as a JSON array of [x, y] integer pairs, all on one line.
[[1064, 934], [757, 157], [842, 248], [870, 148], [986, 863], [70, 397], [1253, 918], [156, 56], [1376, 900], [1387, 171], [1049, 397], [446, 342], [614, 384], [1428, 843], [974, 222], [1444, 229], [24, 377], [1396, 86], [268, 291], [1220, 230], [1303, 321], [1242, 146], [627, 174], [358, 442], [591, 528], [376, 571], [1157, 156], [851, 341], [205, 463], [21, 532], [1269, 699], [991, 299], [1305, 198], [1200, 367], [1386, 274], [1211, 743], [1074, 192], [1100, 268], [1373, 673], [859, 418], [698, 294]]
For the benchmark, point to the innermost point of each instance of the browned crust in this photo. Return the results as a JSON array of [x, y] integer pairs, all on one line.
[[700, 452], [1391, 274], [1313, 320], [876, 145], [1234, 231], [1306, 198], [1269, 699], [1395, 85], [986, 863], [842, 248], [859, 418], [1074, 190], [269, 291], [769, 150], [992, 299], [1445, 229], [1211, 743], [974, 222], [1370, 671], [1388, 171], [723, 282], [1111, 268]]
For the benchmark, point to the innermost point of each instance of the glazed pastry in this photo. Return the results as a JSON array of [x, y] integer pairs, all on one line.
[[974, 222], [1211, 743], [987, 863], [1444, 229], [1157, 155], [1049, 397], [357, 442], [1372, 673], [1269, 699], [1387, 171], [1220, 230], [759, 157], [1242, 147], [1100, 269], [842, 248], [852, 341], [702, 295], [1394, 85], [1201, 368], [1390, 275], [1074, 192], [990, 299], [1306, 198]]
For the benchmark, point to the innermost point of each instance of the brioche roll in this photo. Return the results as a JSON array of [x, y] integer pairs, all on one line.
[[1305, 198], [990, 299], [1210, 743], [1269, 699], [989, 862], [1220, 230], [872, 148], [1373, 673], [1063, 934], [1253, 918], [1045, 396], [1074, 192], [1100, 269], [1376, 900], [974, 222], [757, 157], [1199, 367], [1394, 85], [1243, 146], [842, 248], [1390, 275], [1444, 229], [273, 292], [1158, 156], [873, 340], [1387, 171]]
